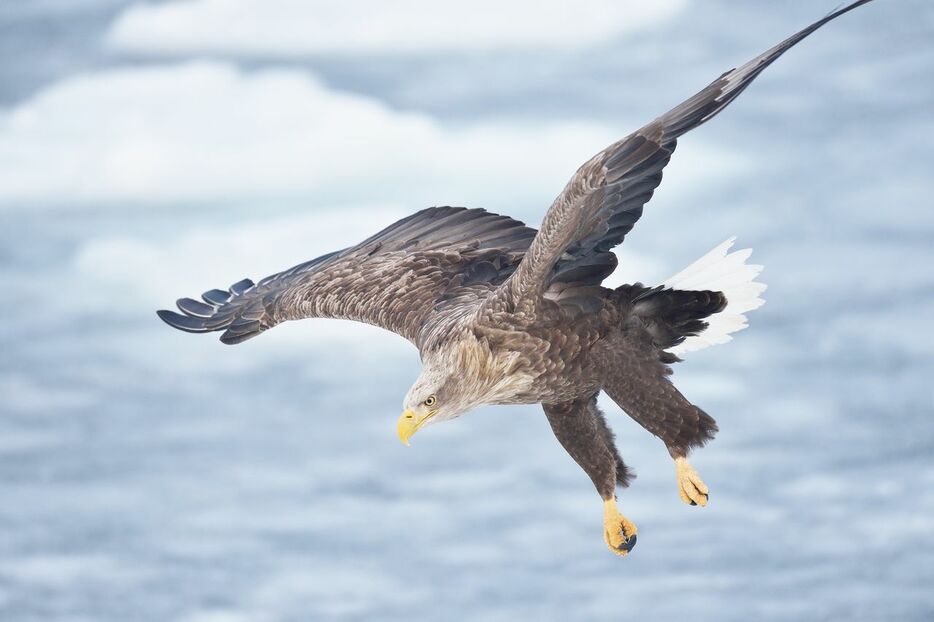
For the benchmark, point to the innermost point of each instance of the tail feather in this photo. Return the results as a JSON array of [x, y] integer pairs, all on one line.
[[722, 271]]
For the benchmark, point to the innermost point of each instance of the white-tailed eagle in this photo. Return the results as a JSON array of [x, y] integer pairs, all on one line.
[[504, 314]]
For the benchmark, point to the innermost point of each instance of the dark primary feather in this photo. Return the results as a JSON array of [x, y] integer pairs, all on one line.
[[215, 297], [395, 279], [195, 308], [605, 198]]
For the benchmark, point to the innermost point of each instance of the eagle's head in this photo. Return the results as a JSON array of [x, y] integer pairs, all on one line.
[[436, 396], [458, 379]]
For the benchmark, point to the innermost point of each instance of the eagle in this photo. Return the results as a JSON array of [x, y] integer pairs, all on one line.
[[502, 313]]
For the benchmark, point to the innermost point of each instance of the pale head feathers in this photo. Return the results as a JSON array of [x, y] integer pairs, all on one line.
[[464, 375]]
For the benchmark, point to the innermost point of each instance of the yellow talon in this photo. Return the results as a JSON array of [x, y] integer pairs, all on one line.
[[691, 487], [619, 532]]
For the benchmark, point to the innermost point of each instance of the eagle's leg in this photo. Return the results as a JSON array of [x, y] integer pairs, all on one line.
[[691, 487], [581, 429], [643, 390]]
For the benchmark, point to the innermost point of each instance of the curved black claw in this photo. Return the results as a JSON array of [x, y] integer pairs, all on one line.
[[629, 544], [706, 499]]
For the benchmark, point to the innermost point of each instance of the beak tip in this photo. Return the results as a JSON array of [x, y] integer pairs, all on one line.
[[406, 427]]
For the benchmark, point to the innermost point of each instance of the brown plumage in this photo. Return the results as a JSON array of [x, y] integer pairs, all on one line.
[[504, 314]]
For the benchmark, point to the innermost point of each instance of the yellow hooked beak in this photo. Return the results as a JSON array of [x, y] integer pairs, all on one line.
[[409, 423]]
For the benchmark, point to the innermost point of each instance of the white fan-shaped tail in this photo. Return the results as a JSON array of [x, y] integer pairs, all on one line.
[[721, 271]]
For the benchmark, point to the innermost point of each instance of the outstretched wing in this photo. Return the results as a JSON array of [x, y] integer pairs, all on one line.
[[604, 199], [432, 260]]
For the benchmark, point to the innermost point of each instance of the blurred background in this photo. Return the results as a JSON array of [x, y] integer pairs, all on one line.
[[155, 150]]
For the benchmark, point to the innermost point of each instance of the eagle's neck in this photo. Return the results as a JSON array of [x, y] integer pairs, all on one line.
[[483, 374]]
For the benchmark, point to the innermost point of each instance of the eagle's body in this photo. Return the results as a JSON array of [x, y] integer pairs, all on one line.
[[504, 314]]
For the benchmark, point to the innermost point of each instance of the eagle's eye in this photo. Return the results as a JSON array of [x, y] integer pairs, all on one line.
[[431, 401]]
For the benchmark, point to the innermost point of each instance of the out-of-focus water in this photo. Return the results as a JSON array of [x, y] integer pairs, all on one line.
[[147, 474]]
